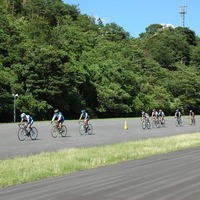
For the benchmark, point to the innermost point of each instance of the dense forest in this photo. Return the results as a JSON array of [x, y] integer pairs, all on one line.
[[53, 56]]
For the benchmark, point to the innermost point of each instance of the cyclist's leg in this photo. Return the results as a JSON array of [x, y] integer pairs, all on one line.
[[179, 120], [162, 120], [57, 124], [85, 124], [193, 120], [29, 125], [60, 124], [87, 121], [189, 120]]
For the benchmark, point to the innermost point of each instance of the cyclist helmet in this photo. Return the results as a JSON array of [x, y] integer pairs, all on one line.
[[23, 115], [143, 112], [82, 111], [190, 111], [177, 110], [56, 111]]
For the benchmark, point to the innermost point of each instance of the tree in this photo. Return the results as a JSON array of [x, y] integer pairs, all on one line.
[[188, 34], [167, 47]]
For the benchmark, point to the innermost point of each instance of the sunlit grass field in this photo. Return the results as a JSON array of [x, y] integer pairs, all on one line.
[[31, 168]]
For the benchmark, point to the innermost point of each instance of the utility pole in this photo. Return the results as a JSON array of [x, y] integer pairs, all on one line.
[[14, 108]]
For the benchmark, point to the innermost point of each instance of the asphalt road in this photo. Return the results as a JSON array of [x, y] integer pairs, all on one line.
[[106, 131], [172, 176]]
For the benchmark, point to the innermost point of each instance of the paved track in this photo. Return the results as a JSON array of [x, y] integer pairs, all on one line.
[[106, 131], [173, 176]]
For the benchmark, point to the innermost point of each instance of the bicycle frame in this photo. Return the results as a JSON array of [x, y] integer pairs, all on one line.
[[83, 129], [145, 123], [178, 121], [56, 130], [23, 133], [155, 122]]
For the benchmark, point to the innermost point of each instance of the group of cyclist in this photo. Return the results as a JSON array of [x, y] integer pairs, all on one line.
[[155, 115], [57, 115], [159, 115], [190, 117]]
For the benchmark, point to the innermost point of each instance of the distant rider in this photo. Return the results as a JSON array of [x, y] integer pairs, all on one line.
[[154, 115], [60, 119], [161, 115], [145, 116], [191, 117], [28, 119], [177, 114], [85, 116]]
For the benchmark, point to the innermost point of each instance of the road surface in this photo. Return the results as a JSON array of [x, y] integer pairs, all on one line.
[[172, 176]]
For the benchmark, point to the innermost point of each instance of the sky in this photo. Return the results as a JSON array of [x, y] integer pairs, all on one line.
[[134, 16]]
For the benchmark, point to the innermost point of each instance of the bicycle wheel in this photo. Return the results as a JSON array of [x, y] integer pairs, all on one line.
[[54, 131], [90, 129], [176, 122], [180, 122], [163, 123], [148, 125], [154, 125], [158, 124], [33, 133], [21, 134], [143, 124], [82, 129], [64, 131]]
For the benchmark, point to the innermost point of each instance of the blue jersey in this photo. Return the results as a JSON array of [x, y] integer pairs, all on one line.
[[29, 119], [59, 116], [85, 115]]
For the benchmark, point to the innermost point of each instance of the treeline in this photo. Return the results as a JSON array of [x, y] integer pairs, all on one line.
[[53, 56]]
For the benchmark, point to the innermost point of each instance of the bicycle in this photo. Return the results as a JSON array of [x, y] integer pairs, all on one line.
[[178, 122], [23, 133], [83, 129], [55, 130], [155, 123], [145, 123], [162, 122]]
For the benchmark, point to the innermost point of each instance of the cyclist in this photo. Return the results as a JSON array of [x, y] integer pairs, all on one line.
[[84, 115], [145, 116], [191, 117], [154, 115], [28, 119], [177, 114], [60, 119], [161, 115]]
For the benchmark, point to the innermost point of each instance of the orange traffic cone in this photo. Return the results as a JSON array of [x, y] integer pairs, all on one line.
[[125, 126]]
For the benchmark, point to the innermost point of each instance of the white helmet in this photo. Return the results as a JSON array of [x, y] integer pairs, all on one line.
[[23, 115]]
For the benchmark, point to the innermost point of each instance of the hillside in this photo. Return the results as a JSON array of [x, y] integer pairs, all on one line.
[[52, 56]]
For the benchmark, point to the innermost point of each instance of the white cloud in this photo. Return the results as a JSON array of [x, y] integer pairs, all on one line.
[[167, 25]]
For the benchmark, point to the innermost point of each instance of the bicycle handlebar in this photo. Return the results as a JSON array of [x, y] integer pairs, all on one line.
[[23, 125], [81, 122]]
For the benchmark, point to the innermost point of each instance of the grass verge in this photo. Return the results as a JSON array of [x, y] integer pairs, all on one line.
[[31, 168]]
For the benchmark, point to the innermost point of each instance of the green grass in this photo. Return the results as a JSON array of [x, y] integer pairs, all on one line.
[[31, 168]]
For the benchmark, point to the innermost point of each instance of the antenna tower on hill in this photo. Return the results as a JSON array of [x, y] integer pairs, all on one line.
[[182, 12]]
